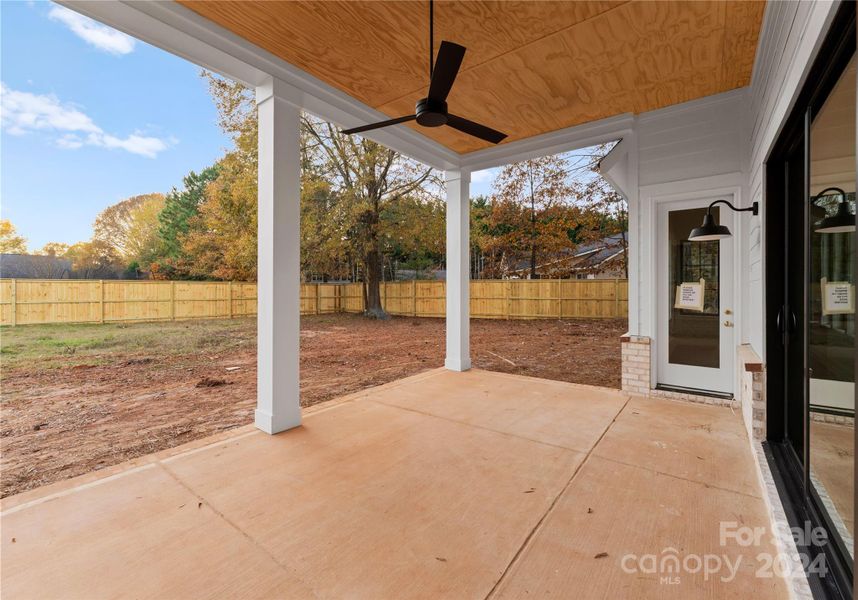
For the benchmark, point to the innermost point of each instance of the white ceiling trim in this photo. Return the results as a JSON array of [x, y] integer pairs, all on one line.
[[180, 31], [554, 142]]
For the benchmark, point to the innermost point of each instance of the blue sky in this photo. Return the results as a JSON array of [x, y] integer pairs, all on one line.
[[90, 117], [481, 182]]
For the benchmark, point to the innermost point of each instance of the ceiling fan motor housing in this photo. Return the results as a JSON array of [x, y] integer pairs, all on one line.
[[431, 113]]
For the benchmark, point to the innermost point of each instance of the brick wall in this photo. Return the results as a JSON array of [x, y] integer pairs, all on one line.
[[753, 392], [636, 364]]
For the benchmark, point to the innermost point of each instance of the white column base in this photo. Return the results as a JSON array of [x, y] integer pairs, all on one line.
[[271, 424], [457, 364]]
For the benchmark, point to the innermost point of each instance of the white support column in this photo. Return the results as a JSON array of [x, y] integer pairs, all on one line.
[[279, 279], [458, 271]]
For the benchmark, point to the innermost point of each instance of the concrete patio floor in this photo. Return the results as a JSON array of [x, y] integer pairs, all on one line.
[[441, 485]]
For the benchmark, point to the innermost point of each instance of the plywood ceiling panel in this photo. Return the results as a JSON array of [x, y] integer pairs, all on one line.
[[530, 68]]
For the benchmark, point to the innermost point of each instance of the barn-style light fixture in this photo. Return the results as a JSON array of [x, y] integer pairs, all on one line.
[[843, 221], [710, 230]]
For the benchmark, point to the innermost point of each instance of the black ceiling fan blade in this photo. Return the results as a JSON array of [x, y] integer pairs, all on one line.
[[447, 65], [379, 125], [475, 129]]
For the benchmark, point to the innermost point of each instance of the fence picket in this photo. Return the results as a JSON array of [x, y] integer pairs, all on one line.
[[32, 301]]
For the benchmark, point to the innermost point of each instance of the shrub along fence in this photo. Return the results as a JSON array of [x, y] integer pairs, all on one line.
[[33, 301]]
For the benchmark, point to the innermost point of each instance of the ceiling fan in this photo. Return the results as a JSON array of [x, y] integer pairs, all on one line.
[[431, 111]]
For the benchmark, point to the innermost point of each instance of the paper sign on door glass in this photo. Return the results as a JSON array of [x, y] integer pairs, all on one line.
[[689, 295]]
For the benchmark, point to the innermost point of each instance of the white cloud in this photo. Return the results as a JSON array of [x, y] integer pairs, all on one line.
[[92, 32], [70, 141], [484, 176], [136, 144], [23, 112]]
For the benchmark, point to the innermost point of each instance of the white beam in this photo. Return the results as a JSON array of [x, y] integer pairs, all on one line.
[[546, 144], [279, 278], [458, 271], [179, 30], [620, 169]]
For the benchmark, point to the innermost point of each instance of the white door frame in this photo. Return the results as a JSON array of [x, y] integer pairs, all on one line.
[[696, 192], [687, 376]]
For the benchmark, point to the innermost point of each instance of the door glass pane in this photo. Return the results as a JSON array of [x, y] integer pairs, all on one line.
[[693, 330], [831, 305]]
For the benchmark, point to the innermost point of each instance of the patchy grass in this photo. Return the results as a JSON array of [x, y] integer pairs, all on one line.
[[77, 398], [64, 345]]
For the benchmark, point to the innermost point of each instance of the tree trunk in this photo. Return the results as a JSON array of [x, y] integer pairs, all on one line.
[[373, 267], [532, 228], [533, 260], [624, 225]]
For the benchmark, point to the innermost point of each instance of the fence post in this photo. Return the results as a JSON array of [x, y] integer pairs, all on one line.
[[508, 293], [559, 299], [14, 302], [101, 301], [414, 297], [318, 299], [230, 299], [616, 297], [172, 300]]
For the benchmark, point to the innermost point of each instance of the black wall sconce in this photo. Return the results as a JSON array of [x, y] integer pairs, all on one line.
[[710, 230], [843, 221]]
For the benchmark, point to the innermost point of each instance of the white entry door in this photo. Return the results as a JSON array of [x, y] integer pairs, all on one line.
[[695, 312]]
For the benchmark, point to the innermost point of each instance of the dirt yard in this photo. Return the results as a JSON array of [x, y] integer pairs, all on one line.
[[76, 398]]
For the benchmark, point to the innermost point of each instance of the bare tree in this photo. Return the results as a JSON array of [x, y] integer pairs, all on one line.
[[368, 179], [533, 198], [595, 193]]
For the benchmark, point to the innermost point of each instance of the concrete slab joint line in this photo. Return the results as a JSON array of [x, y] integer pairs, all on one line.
[[542, 519], [527, 458]]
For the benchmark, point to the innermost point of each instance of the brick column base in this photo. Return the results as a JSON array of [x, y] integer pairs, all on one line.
[[753, 394], [636, 364]]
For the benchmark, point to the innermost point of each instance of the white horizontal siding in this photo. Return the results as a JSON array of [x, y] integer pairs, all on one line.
[[692, 140], [725, 137], [790, 37]]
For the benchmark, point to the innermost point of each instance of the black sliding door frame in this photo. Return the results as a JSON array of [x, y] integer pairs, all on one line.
[[788, 271]]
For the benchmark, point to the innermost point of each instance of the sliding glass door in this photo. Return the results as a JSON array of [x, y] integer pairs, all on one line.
[[830, 307], [810, 299]]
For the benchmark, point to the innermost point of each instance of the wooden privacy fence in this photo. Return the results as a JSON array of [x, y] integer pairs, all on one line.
[[32, 301]]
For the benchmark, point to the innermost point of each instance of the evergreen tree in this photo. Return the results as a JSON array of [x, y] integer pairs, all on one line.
[[179, 207]]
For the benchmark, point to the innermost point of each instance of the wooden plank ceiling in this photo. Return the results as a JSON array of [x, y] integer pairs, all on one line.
[[530, 68]]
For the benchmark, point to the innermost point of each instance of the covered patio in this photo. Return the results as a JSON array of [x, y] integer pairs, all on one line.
[[460, 483], [441, 485]]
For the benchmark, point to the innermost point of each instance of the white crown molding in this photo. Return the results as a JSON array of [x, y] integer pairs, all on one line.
[[669, 112], [613, 157], [554, 142]]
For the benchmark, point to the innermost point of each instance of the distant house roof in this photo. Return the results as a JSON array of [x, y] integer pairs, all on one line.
[[593, 257], [599, 253], [33, 266]]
